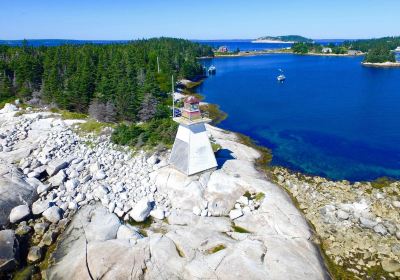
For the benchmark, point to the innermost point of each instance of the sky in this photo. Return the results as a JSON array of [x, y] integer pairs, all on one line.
[[205, 19]]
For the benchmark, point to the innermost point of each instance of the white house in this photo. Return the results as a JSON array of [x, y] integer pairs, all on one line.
[[326, 50]]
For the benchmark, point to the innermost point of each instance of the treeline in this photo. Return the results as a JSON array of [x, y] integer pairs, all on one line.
[[120, 82], [380, 54], [304, 48], [390, 43]]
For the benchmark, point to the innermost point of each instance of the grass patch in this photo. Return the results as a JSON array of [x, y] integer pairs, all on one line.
[[215, 249], [239, 229], [93, 126], [380, 183], [266, 155], [141, 225], [4, 100], [25, 273], [48, 259], [20, 113], [216, 147], [89, 144], [259, 196], [247, 194], [214, 113], [337, 272], [193, 84], [67, 115]]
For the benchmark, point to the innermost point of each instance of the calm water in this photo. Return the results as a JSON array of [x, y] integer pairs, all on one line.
[[331, 117]]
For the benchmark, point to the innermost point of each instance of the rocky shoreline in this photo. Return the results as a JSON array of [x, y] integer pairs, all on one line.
[[76, 206], [382, 65], [358, 223], [283, 51]]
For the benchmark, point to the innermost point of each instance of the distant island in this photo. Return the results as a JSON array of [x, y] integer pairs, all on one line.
[[283, 39]]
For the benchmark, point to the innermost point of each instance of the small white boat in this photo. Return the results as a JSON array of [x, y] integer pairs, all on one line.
[[281, 77], [212, 69]]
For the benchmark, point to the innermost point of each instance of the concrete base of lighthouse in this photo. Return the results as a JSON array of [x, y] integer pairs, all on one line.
[[192, 152]]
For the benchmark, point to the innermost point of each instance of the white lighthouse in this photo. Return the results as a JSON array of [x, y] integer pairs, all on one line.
[[192, 152]]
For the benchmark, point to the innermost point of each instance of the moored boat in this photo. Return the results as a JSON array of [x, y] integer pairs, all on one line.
[[212, 69]]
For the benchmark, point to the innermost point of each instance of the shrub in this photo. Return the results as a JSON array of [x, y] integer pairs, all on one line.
[[151, 134]]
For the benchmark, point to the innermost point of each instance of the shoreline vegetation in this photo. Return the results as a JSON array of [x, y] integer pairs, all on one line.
[[377, 52], [275, 51]]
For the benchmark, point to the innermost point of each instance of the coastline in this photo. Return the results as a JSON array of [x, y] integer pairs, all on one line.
[[331, 208], [278, 51], [381, 65]]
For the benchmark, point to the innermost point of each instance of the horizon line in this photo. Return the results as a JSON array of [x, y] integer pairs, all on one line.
[[194, 39]]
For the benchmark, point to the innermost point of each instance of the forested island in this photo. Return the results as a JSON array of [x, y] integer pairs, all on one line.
[[283, 39], [378, 52]]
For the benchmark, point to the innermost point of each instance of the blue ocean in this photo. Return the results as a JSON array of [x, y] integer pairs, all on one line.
[[331, 117]]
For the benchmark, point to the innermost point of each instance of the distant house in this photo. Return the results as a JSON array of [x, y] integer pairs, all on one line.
[[326, 50], [354, 52], [397, 49], [223, 49]]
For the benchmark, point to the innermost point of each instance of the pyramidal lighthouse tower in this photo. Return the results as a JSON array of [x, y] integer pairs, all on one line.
[[192, 152]]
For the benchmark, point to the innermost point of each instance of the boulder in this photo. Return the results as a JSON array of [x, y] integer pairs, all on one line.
[[141, 210], [53, 214], [58, 179], [56, 165], [8, 108], [23, 229], [126, 232], [49, 237], [235, 213], [14, 191], [35, 254], [19, 213], [39, 206], [100, 175], [243, 200], [43, 188], [390, 266], [342, 215], [72, 184], [102, 224], [396, 203], [100, 192], [40, 228], [379, 228], [108, 258], [157, 214], [8, 251], [367, 223]]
